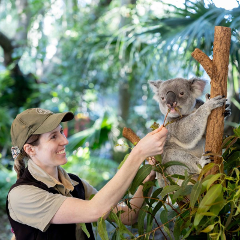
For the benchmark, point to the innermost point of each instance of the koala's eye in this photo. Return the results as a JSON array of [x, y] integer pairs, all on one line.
[[162, 98], [181, 93]]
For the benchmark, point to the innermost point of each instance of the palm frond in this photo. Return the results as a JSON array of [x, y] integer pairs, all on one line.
[[94, 136]]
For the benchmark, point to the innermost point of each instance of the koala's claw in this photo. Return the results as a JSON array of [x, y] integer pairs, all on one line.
[[227, 113], [204, 160], [207, 96], [216, 102]]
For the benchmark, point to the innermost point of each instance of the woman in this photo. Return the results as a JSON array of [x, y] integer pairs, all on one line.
[[48, 203]]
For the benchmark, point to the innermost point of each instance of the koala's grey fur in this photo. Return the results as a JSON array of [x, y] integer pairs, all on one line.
[[185, 142]]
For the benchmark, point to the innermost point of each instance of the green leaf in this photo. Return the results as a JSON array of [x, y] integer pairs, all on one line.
[[158, 158], [154, 126], [177, 230], [213, 179], [102, 229], [147, 186], [219, 204], [223, 236], [164, 217], [196, 190], [174, 163], [188, 232], [157, 207], [141, 217], [122, 228], [208, 228], [166, 229], [149, 221], [237, 194], [169, 189], [155, 195], [116, 235], [210, 214], [207, 202], [205, 169], [237, 131], [186, 179], [226, 141], [84, 228], [142, 173], [183, 191]]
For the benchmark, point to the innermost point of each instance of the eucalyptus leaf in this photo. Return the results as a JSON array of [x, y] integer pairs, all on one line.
[[154, 196], [141, 217], [84, 228], [156, 208], [142, 173], [207, 202], [177, 230], [183, 191], [213, 179], [102, 229], [164, 218], [205, 169], [208, 228], [174, 163], [169, 189], [196, 190]]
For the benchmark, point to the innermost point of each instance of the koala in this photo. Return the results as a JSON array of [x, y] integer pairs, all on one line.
[[188, 116]]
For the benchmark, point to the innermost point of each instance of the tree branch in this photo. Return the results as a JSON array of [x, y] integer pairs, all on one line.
[[217, 69], [24, 21], [129, 134], [204, 60]]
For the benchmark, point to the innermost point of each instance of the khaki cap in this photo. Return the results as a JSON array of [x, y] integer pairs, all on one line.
[[35, 121]]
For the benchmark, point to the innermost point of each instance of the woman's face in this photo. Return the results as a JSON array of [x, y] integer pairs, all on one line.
[[51, 149]]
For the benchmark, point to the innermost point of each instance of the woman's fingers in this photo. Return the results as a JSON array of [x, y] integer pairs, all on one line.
[[152, 144], [151, 160]]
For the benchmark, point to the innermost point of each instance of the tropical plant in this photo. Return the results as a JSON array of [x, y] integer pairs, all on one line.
[[208, 208]]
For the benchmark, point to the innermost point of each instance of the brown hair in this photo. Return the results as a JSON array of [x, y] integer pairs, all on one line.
[[19, 163]]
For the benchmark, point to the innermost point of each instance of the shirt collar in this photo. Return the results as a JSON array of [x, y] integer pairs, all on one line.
[[40, 175]]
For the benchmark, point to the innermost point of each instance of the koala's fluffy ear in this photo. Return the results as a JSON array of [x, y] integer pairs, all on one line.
[[155, 85], [197, 86]]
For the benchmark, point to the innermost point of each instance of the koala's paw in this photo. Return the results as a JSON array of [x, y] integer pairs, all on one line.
[[215, 102], [204, 160], [227, 111]]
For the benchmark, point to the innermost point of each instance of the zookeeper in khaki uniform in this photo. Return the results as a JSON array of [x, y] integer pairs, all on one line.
[[48, 203]]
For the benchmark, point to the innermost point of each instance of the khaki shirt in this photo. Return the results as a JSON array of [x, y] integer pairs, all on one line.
[[36, 207]]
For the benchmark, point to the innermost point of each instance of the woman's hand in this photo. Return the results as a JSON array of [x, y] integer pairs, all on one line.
[[152, 144]]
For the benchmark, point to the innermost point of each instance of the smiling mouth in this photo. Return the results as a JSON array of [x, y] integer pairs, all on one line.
[[61, 152]]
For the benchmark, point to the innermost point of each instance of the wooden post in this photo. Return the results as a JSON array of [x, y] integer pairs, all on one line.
[[217, 69]]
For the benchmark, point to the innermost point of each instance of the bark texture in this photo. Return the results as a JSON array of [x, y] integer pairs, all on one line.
[[129, 134], [218, 73]]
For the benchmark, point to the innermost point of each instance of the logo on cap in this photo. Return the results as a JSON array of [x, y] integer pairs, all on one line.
[[42, 111]]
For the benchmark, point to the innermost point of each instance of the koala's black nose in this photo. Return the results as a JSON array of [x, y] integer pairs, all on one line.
[[171, 99]]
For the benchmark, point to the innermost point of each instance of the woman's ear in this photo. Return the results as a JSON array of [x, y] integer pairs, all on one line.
[[29, 149]]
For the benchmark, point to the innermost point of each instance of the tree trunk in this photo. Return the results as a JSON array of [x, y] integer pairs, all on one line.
[[21, 89], [217, 70], [124, 79]]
